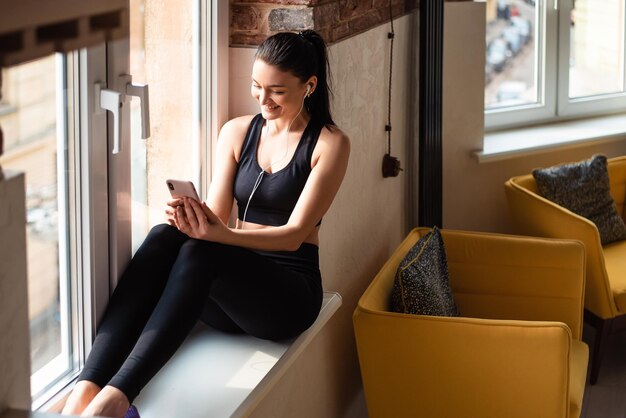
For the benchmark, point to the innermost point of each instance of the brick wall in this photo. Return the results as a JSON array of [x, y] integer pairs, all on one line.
[[251, 21]]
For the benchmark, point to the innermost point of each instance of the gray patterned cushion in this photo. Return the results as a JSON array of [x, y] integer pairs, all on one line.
[[584, 189], [421, 286]]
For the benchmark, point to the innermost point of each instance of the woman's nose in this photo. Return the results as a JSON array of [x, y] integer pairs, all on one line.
[[263, 97]]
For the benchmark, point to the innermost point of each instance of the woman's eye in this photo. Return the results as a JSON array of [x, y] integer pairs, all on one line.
[[278, 92]]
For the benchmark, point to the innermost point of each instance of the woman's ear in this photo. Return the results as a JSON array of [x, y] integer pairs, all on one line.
[[311, 85]]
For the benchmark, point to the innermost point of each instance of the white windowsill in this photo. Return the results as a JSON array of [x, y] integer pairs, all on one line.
[[518, 142], [224, 375], [218, 375]]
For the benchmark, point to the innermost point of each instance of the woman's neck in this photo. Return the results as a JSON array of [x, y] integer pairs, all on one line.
[[281, 125]]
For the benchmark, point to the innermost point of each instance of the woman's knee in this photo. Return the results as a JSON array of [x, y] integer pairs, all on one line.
[[165, 236], [194, 249], [195, 260], [161, 230]]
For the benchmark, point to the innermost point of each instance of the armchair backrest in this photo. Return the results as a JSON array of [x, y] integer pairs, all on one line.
[[497, 276], [489, 273]]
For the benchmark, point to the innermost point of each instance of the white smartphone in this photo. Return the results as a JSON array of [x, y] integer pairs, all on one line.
[[182, 188]]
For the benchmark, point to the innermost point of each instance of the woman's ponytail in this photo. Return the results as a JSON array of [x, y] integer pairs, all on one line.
[[319, 102]]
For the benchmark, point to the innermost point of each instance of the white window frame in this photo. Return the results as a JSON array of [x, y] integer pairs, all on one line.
[[86, 259], [214, 84], [552, 77], [57, 369]]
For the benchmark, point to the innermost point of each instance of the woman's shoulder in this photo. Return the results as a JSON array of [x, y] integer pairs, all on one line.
[[232, 135], [333, 145], [333, 136], [238, 124], [234, 131]]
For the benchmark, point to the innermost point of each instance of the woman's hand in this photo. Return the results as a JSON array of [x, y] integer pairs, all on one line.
[[170, 211], [198, 221]]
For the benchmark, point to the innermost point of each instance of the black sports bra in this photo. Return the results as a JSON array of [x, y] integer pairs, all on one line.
[[278, 192]]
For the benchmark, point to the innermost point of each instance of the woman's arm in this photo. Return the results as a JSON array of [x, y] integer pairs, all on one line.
[[330, 164], [228, 150]]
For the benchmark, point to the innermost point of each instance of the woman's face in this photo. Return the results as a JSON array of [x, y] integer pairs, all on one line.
[[279, 93]]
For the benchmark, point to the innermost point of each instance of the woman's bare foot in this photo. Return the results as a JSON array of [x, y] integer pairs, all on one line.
[[82, 394], [109, 402]]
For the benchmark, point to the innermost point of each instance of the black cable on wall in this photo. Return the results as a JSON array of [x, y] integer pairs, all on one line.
[[391, 165], [430, 197]]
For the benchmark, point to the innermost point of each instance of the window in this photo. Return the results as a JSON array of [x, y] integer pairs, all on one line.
[[549, 60], [35, 116], [87, 205], [88, 208]]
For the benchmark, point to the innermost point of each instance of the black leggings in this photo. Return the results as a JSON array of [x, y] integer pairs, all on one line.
[[173, 280]]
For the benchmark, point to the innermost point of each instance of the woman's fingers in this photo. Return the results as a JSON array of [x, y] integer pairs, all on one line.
[[198, 212], [181, 220], [174, 202], [191, 217], [169, 212], [190, 214], [169, 217]]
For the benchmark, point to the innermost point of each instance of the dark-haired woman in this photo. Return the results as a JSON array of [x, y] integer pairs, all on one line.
[[283, 167]]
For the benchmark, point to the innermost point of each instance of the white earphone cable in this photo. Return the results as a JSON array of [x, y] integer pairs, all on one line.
[[259, 178]]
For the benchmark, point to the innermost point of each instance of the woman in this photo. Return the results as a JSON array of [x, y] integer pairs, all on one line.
[[283, 167]]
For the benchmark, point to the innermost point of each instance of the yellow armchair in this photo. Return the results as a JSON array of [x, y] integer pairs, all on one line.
[[515, 352], [605, 294]]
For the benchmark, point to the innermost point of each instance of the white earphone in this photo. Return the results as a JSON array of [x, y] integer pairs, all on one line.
[[308, 89]]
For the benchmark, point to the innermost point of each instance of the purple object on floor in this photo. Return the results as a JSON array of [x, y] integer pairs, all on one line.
[[132, 412]]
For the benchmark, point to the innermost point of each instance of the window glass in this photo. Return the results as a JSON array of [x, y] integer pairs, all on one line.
[[28, 116], [596, 64], [511, 60]]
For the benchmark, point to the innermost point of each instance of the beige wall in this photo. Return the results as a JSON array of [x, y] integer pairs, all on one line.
[[365, 223], [473, 193], [168, 70]]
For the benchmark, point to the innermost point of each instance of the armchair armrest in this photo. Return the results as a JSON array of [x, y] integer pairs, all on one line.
[[538, 216], [421, 366], [510, 277]]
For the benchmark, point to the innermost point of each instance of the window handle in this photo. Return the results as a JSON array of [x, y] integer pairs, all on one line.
[[140, 91], [112, 101]]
